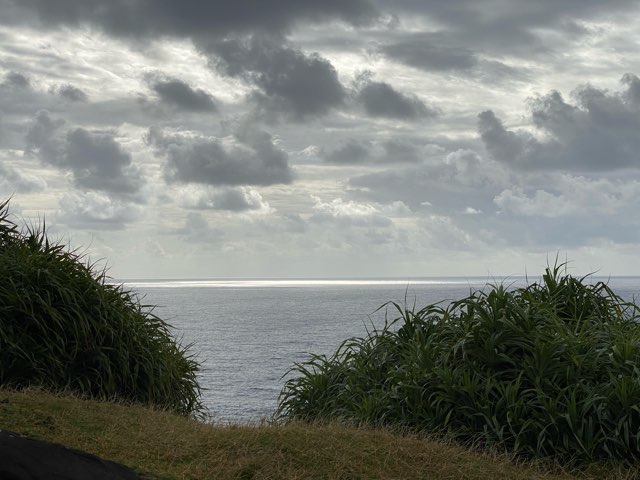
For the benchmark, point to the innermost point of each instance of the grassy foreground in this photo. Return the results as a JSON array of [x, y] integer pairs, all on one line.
[[164, 445]]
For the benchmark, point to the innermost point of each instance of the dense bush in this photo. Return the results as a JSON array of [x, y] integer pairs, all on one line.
[[551, 369], [64, 327]]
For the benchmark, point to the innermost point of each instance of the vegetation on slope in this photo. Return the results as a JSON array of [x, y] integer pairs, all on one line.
[[64, 327], [163, 445], [550, 370]]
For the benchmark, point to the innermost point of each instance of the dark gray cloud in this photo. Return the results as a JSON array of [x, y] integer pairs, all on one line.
[[284, 76], [18, 97], [250, 158], [519, 12], [176, 93], [289, 82], [500, 26], [15, 79], [41, 131], [382, 100], [71, 93], [502, 144], [96, 160], [350, 153], [632, 95], [354, 152], [402, 151], [22, 96], [188, 18], [444, 52], [599, 132], [423, 51]]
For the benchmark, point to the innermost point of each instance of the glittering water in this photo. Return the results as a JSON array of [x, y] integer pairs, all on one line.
[[248, 333]]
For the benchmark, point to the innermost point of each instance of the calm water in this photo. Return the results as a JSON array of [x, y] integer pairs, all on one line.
[[248, 333]]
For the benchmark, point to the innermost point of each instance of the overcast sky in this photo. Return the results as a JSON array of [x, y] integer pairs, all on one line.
[[334, 138]]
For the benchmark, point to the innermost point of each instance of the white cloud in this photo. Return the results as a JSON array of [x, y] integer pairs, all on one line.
[[359, 214], [573, 196], [233, 199], [96, 210]]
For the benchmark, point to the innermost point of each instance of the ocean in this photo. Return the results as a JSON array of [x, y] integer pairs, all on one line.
[[248, 333]]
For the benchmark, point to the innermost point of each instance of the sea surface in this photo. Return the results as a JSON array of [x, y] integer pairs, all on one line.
[[248, 333]]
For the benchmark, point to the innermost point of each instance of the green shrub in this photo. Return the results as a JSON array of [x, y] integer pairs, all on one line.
[[64, 327], [551, 369]]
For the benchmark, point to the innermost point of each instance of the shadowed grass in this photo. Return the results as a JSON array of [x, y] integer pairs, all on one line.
[[551, 370], [64, 327]]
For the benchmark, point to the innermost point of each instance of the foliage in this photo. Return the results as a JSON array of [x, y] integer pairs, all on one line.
[[548, 370], [64, 326]]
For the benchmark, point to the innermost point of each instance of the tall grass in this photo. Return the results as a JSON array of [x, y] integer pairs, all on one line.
[[548, 370], [64, 327]]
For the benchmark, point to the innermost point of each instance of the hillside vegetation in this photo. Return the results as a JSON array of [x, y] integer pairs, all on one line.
[[64, 327], [550, 370]]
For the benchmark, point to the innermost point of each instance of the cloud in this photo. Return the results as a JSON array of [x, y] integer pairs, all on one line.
[[599, 132], [196, 229], [402, 151], [423, 52], [238, 199], [572, 196], [284, 77], [354, 152], [186, 18], [16, 80], [443, 232], [382, 100], [356, 214], [350, 153], [446, 52], [516, 27], [446, 183], [71, 93], [289, 82], [19, 98], [502, 144], [96, 160], [13, 180], [42, 130], [176, 93], [95, 210], [471, 211], [246, 158]]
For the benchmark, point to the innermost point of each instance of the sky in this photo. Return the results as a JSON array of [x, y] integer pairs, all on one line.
[[334, 138]]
